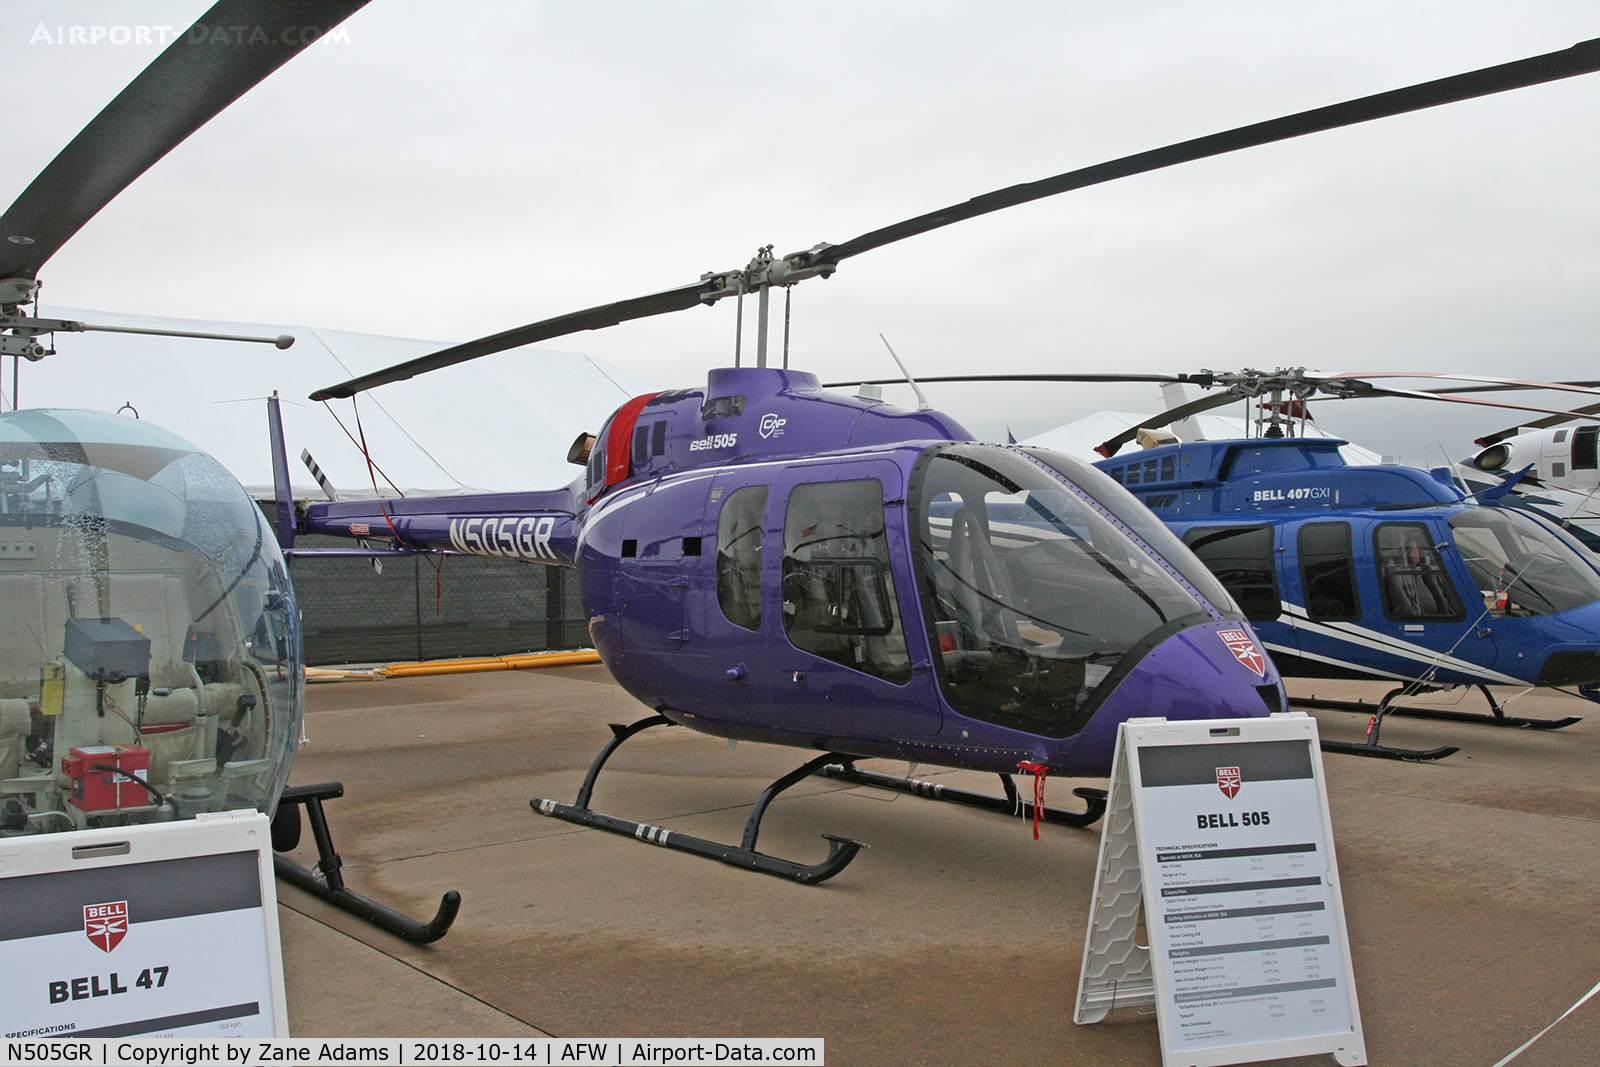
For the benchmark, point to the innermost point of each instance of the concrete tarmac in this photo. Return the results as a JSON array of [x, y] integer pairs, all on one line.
[[1471, 887]]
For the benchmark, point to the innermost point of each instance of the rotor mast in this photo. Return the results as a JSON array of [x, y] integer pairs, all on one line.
[[759, 276]]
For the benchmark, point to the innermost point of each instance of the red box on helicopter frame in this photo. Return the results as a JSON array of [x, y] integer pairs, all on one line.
[[98, 789]]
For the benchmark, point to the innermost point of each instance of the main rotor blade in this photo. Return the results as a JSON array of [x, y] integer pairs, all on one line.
[[1495, 384], [1539, 424], [183, 89], [1582, 58], [1566, 386], [1111, 446], [1205, 380], [594, 318], [1454, 399]]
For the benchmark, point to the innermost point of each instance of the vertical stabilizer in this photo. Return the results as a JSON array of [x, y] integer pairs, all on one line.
[[1173, 395], [283, 515]]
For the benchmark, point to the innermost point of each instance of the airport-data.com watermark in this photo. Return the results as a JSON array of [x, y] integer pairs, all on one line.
[[198, 34]]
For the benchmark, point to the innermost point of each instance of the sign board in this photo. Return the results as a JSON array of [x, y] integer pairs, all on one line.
[[154, 931], [1217, 895]]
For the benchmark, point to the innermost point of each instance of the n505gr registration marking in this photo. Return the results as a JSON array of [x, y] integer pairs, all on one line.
[[518, 537]]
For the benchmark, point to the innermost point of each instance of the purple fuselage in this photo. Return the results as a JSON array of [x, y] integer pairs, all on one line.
[[767, 561]]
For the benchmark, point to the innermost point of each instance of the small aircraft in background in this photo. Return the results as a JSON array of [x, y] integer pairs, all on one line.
[[1559, 465], [764, 560]]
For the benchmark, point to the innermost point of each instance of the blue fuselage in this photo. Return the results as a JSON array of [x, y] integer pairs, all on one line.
[[1376, 571]]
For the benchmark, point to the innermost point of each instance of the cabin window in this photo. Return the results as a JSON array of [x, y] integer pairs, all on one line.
[[1583, 448], [1169, 468], [739, 555], [1328, 572], [1412, 576], [838, 591], [1149, 470], [1242, 558]]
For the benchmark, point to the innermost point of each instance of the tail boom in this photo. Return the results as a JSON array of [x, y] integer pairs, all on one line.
[[537, 527]]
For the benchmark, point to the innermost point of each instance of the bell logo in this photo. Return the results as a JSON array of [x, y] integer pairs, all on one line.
[[106, 924], [1244, 650], [1228, 781]]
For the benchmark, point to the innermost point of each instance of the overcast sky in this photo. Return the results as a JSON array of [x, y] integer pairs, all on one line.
[[452, 171]]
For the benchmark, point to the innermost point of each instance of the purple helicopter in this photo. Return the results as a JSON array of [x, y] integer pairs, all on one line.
[[765, 560]]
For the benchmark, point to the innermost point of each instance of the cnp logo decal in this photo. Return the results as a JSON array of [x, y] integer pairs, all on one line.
[[1244, 650], [772, 426], [106, 924], [1228, 781]]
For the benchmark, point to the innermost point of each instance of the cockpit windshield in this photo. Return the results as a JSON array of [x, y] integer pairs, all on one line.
[[1032, 595], [1520, 566], [148, 625]]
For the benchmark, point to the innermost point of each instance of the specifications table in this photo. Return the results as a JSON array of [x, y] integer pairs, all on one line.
[[1219, 833]]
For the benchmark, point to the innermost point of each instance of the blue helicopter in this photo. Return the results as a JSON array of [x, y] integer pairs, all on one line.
[[1374, 571], [764, 560], [1346, 569]]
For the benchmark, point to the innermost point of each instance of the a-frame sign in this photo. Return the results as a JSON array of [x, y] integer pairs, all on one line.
[[1217, 895]]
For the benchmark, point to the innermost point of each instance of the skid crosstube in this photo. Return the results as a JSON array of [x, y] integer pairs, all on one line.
[[845, 770], [331, 887], [841, 850]]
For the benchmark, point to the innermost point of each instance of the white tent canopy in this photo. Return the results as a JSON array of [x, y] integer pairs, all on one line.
[[497, 424]]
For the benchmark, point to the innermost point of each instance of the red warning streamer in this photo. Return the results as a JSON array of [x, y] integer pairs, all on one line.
[[1038, 770]]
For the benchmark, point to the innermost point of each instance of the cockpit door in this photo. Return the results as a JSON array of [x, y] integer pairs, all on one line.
[[848, 653], [1427, 607]]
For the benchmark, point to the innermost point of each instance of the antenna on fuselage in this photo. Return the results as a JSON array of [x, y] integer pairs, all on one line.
[[922, 401]]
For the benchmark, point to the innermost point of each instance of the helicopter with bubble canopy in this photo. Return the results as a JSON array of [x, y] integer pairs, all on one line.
[[151, 663]]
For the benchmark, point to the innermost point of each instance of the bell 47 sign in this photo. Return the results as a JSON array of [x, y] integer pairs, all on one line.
[[106, 924], [115, 932]]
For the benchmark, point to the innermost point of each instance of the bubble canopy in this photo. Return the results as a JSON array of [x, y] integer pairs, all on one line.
[[150, 647]]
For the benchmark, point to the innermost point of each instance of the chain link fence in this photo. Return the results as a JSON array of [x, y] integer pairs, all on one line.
[[432, 607]]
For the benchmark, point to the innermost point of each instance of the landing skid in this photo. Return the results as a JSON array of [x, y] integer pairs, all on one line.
[[841, 850], [1496, 717], [1410, 755], [1371, 746], [1010, 804], [331, 887]]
